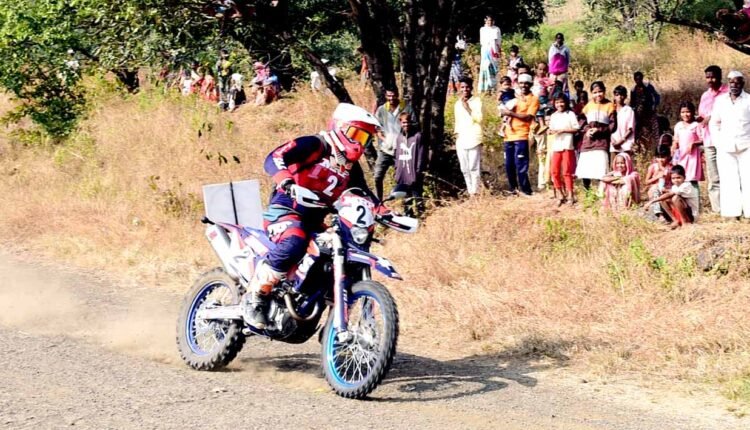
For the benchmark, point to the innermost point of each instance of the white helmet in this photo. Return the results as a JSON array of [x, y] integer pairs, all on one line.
[[351, 129]]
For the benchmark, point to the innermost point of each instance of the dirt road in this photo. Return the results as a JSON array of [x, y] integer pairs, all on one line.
[[78, 351]]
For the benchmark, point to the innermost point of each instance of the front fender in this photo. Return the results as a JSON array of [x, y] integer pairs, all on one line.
[[383, 265]]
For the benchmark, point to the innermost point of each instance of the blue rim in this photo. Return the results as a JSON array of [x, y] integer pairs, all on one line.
[[330, 362], [190, 322]]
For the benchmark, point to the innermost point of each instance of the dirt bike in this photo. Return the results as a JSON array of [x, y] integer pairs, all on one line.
[[360, 334]]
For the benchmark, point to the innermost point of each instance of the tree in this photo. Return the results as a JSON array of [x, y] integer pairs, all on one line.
[[34, 38], [699, 15], [424, 33]]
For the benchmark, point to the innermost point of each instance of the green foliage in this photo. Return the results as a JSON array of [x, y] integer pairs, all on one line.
[[34, 38], [738, 389], [564, 235]]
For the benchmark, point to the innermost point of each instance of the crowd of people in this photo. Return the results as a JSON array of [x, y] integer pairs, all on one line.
[[591, 136], [223, 84]]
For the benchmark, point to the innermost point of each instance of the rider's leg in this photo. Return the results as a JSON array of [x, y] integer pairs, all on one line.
[[291, 243]]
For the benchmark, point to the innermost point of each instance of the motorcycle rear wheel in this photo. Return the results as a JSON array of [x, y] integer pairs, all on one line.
[[209, 345], [356, 367]]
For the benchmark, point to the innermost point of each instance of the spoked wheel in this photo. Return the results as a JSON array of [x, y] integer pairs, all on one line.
[[356, 362], [209, 344]]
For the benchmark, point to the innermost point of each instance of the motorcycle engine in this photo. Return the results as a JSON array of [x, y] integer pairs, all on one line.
[[280, 319]]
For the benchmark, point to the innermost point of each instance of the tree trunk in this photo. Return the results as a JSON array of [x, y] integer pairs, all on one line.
[[336, 87], [375, 38], [129, 78]]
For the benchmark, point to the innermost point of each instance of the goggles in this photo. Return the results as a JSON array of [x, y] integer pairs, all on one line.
[[356, 134]]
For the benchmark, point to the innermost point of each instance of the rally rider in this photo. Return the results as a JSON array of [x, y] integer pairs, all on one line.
[[326, 164]]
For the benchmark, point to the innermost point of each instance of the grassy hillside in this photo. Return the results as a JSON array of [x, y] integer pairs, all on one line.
[[609, 295]]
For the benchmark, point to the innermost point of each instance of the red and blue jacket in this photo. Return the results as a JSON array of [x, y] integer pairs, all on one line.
[[308, 161]]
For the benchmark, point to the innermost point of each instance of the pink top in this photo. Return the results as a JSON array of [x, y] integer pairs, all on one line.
[[689, 155], [706, 107], [540, 86], [655, 167]]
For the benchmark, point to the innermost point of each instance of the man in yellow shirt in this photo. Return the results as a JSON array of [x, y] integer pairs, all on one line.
[[517, 136], [468, 129]]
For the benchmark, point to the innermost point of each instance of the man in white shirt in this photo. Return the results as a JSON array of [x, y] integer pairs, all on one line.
[[468, 129], [730, 130]]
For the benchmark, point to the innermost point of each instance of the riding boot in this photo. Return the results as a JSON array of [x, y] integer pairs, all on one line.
[[256, 299]]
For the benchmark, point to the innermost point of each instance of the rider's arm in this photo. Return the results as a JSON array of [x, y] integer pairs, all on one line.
[[357, 180], [283, 162]]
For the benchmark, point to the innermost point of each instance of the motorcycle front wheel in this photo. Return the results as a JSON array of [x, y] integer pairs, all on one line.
[[355, 363], [209, 344]]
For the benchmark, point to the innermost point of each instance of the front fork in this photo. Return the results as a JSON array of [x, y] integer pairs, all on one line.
[[340, 295], [340, 298]]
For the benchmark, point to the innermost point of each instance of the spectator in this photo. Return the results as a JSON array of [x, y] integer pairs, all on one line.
[[687, 145], [543, 150], [468, 129], [559, 61], [601, 121], [730, 122], [681, 201], [236, 91], [223, 76], [411, 163], [268, 92], [659, 180], [517, 136], [514, 61], [705, 109], [623, 138], [186, 82], [456, 74], [208, 87], [364, 70], [563, 126], [644, 99], [388, 114], [581, 97], [490, 39], [541, 88], [621, 187], [460, 42], [506, 100]]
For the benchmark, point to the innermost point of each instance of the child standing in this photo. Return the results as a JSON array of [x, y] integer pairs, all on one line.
[[456, 73], [687, 145], [623, 138], [514, 61], [681, 201], [659, 179], [600, 117], [411, 163], [541, 87], [563, 125], [581, 97], [621, 188], [506, 100]]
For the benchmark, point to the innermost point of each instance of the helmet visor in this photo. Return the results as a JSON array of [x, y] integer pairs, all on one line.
[[356, 134]]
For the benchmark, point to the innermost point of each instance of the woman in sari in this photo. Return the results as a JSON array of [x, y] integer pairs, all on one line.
[[621, 188], [490, 39]]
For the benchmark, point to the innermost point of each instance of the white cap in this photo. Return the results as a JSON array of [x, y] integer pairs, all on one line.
[[735, 74], [525, 78]]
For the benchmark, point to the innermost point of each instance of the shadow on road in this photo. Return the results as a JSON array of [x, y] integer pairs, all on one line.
[[415, 378]]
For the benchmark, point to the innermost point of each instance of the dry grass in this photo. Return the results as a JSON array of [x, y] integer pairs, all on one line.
[[512, 277]]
